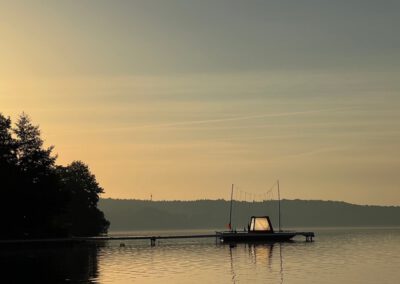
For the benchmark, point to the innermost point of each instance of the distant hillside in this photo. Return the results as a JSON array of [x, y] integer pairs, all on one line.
[[211, 214]]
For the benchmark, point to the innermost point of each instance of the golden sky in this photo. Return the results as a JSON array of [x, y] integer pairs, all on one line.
[[180, 100]]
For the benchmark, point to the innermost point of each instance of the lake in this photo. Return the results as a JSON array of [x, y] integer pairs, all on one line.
[[346, 255]]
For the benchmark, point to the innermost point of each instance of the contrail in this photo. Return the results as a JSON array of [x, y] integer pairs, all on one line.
[[216, 120], [238, 118], [316, 151]]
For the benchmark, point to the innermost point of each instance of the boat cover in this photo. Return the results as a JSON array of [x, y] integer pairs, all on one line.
[[260, 224]]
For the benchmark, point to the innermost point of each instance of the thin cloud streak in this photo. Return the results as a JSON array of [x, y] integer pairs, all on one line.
[[317, 151], [219, 120], [239, 118]]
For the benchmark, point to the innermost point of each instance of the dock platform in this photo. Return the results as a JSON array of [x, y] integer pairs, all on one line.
[[218, 236]]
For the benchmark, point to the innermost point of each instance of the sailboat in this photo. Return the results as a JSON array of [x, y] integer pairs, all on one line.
[[260, 229]]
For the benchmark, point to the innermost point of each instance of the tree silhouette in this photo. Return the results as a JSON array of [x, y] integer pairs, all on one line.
[[8, 179], [39, 198], [33, 159], [7, 143], [84, 217], [42, 199]]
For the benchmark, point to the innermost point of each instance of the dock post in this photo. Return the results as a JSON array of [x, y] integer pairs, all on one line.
[[309, 238]]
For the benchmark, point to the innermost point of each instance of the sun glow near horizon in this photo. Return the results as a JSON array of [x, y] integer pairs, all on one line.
[[184, 116]]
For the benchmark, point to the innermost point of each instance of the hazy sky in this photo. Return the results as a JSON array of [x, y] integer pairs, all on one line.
[[180, 99]]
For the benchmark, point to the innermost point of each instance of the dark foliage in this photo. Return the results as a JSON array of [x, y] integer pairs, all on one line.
[[83, 216], [38, 198]]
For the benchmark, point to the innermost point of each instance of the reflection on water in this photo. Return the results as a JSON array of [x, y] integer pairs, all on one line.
[[49, 264], [258, 255], [337, 255]]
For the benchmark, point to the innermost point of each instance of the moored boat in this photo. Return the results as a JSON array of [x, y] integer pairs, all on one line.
[[259, 230]]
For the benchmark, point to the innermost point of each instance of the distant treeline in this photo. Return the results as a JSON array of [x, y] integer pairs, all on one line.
[[39, 198], [214, 214]]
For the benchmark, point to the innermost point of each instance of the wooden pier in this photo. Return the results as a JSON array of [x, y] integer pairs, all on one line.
[[308, 235]]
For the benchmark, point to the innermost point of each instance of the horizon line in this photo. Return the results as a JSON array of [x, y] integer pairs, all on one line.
[[263, 201]]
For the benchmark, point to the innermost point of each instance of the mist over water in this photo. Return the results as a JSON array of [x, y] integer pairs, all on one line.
[[338, 255]]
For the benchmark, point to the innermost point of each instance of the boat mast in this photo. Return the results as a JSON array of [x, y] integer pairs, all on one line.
[[279, 206], [230, 211]]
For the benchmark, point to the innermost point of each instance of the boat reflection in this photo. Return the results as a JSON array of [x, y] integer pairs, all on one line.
[[261, 255]]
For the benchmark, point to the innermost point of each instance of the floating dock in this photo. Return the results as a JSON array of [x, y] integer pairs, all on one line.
[[218, 236], [262, 237]]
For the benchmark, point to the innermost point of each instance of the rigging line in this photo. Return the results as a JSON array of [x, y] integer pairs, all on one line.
[[272, 187]]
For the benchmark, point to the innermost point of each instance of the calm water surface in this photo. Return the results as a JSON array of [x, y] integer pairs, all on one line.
[[337, 255]]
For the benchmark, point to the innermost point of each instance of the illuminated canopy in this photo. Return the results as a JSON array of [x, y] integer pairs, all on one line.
[[260, 224]]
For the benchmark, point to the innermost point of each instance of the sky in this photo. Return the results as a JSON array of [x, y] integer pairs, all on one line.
[[179, 99]]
